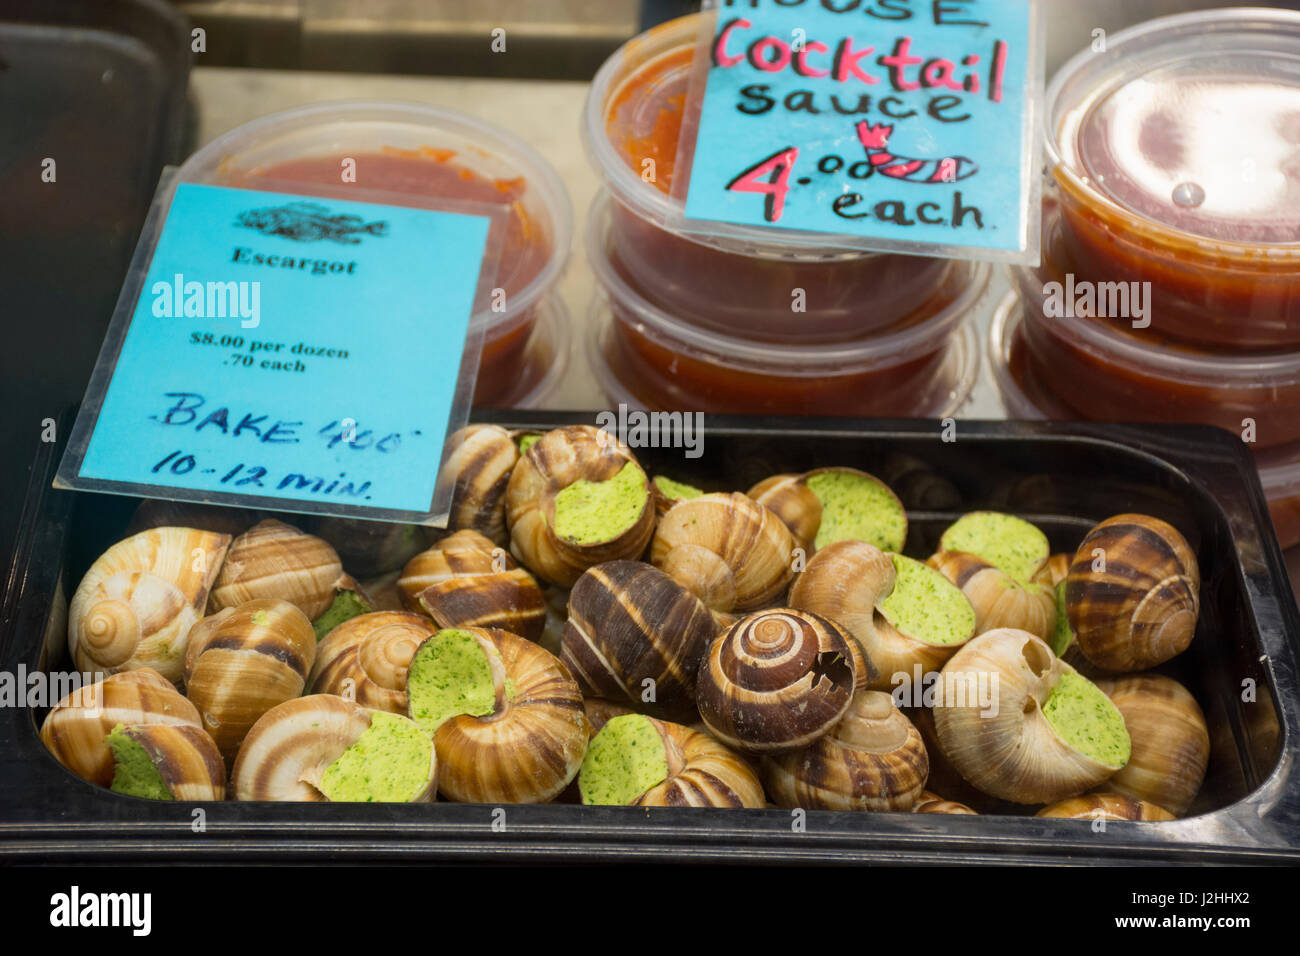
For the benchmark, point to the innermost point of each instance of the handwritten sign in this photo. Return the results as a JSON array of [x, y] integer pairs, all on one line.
[[292, 348], [896, 124]]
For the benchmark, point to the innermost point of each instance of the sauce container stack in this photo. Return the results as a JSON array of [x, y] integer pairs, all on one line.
[[400, 149], [742, 322], [1169, 289]]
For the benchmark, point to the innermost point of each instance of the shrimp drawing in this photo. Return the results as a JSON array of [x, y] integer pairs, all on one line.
[[875, 140]]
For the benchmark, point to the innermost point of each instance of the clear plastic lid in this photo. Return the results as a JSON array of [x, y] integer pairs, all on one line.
[[1190, 123], [481, 162]]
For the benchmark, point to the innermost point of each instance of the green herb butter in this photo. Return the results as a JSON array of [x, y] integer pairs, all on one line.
[[389, 763], [623, 761], [1062, 635], [858, 508], [134, 772], [347, 605], [590, 512], [675, 490], [926, 606], [449, 675], [1008, 543], [1086, 719]]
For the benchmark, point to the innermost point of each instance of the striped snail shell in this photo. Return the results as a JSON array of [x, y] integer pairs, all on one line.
[[75, 729], [273, 560], [560, 522], [873, 759], [794, 503], [528, 745], [137, 603], [998, 599], [243, 661], [185, 757], [630, 624], [365, 659], [1171, 743], [288, 754], [726, 549], [1105, 806], [672, 766], [933, 803], [996, 722], [467, 581], [776, 681], [1141, 609], [480, 462], [1054, 571]]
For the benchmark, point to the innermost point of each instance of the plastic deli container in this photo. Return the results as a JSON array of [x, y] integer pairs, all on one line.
[[1176, 160], [427, 152], [742, 282], [542, 366], [1248, 809], [1027, 396], [644, 355]]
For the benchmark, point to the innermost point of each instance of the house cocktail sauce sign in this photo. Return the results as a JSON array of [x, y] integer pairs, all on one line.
[[281, 350], [898, 125]]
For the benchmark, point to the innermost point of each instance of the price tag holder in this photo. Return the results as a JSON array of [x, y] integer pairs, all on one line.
[[306, 353], [908, 126]]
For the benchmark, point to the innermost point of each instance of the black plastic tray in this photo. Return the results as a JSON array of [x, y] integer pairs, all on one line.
[[1065, 477]]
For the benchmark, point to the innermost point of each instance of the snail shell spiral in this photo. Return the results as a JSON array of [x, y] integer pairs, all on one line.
[[481, 460], [1141, 610], [776, 681], [137, 603], [365, 659]]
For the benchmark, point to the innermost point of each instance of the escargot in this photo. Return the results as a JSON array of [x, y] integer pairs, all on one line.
[[857, 506], [873, 759], [466, 580], [640, 761], [324, 748], [726, 549], [137, 603], [1133, 593], [577, 498], [634, 634], [1007, 542], [166, 762], [777, 680], [366, 659], [243, 661], [998, 599], [1105, 806], [273, 560], [933, 803], [1171, 743], [668, 492], [506, 716], [74, 731], [480, 462], [1022, 725], [907, 617], [794, 503]]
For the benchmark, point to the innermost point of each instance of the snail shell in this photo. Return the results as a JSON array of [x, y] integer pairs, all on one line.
[[481, 460], [273, 560], [794, 503], [531, 747], [998, 599], [553, 464], [288, 751], [1105, 806], [700, 772], [991, 726], [137, 603], [630, 623], [873, 759], [666, 495], [75, 729], [467, 581], [1171, 743], [1141, 610], [366, 658], [161, 513], [933, 803], [776, 681], [243, 661], [1054, 571], [186, 758], [726, 549]]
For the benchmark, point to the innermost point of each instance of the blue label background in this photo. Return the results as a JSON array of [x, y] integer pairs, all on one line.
[[730, 142], [402, 316]]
